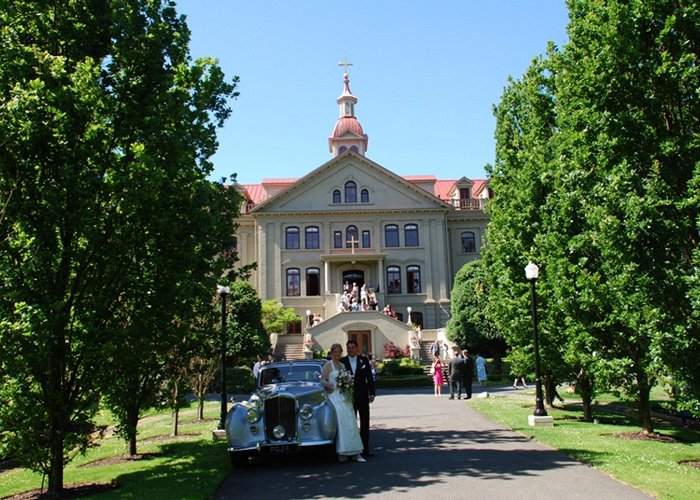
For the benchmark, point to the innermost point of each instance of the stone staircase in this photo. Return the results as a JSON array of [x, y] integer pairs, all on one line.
[[289, 352], [426, 359]]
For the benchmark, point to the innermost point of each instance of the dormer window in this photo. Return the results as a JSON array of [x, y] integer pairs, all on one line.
[[347, 108]]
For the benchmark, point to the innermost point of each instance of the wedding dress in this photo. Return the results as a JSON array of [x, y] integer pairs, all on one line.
[[347, 440]]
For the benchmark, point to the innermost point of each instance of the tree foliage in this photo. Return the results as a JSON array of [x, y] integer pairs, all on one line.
[[276, 317], [109, 225], [246, 336], [598, 155], [468, 325]]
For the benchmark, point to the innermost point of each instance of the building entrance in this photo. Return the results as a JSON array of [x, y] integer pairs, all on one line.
[[363, 339], [354, 276]]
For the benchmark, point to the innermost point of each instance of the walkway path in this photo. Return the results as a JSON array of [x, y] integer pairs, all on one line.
[[431, 448]]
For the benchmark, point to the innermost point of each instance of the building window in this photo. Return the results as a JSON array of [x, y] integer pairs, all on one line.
[[311, 237], [313, 281], [336, 196], [391, 235], [366, 242], [393, 279], [468, 242], [350, 192], [342, 149], [410, 235], [337, 239], [293, 282], [352, 239], [413, 284], [291, 238], [417, 318], [364, 196]]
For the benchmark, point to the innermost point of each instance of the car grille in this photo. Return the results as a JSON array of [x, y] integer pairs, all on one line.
[[281, 410]]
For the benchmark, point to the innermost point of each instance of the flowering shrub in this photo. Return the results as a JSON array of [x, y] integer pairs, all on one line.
[[392, 351]]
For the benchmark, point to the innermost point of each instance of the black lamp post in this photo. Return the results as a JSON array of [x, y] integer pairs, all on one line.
[[223, 292], [532, 272]]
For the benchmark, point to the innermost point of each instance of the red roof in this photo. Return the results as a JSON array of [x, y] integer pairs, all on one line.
[[442, 188], [345, 124]]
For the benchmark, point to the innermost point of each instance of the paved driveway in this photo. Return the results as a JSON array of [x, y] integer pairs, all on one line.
[[430, 448]]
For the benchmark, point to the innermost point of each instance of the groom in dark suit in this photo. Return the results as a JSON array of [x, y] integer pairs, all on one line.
[[359, 366]]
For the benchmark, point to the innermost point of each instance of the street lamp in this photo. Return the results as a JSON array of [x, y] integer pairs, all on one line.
[[223, 292], [409, 309], [308, 319], [532, 272]]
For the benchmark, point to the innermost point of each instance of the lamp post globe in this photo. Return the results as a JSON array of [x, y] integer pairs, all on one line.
[[409, 309], [223, 292], [532, 272]]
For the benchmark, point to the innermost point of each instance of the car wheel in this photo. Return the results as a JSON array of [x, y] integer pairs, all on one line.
[[239, 459]]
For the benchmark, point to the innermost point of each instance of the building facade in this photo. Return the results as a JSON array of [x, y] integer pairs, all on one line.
[[352, 220]]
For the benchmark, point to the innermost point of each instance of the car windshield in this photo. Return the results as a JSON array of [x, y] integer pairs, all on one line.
[[290, 373]]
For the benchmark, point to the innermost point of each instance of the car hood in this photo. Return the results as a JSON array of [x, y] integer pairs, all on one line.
[[304, 392]]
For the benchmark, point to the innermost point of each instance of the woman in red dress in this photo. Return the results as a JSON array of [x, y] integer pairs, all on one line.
[[438, 378]]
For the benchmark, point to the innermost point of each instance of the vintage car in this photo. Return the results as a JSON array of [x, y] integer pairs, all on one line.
[[289, 411]]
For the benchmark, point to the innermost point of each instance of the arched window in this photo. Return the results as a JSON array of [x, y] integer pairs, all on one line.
[[391, 235], [468, 242], [410, 235], [291, 238], [364, 196], [313, 281], [352, 237], [336, 196], [342, 149], [293, 282], [393, 280], [311, 237], [413, 284], [354, 149], [350, 192]]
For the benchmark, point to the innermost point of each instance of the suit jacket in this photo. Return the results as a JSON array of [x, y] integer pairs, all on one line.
[[364, 381], [457, 368]]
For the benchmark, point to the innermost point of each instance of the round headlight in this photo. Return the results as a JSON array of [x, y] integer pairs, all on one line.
[[253, 415], [306, 412], [278, 432]]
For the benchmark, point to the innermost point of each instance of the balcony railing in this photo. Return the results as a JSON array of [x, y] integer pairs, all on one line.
[[469, 203]]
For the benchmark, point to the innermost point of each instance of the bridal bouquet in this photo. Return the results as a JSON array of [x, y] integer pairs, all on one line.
[[345, 384]]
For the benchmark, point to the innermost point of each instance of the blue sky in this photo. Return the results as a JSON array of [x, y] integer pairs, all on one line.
[[426, 76]]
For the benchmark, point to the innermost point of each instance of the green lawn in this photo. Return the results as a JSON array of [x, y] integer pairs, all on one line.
[[649, 465], [189, 466], [193, 465]]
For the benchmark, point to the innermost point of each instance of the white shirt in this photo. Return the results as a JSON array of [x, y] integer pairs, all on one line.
[[353, 363]]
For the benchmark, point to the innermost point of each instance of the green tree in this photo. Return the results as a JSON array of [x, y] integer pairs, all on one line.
[[276, 317], [522, 182], [246, 336], [628, 107], [109, 226], [468, 324]]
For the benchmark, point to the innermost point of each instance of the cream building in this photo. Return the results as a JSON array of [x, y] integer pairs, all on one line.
[[352, 220]]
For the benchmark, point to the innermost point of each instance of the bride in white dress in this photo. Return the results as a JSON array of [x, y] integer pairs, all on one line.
[[347, 442]]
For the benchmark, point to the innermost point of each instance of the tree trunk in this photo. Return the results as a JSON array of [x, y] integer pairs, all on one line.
[[645, 405], [200, 408], [176, 418], [549, 388], [56, 467], [132, 419], [585, 388]]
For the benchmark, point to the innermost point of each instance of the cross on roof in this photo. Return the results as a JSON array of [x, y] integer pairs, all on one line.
[[345, 63]]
